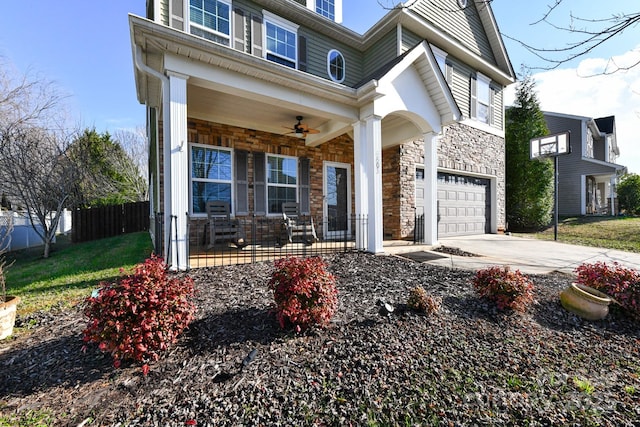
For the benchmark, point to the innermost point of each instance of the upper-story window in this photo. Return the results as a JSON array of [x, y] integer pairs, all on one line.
[[481, 99], [281, 38], [210, 19], [326, 8], [588, 150], [336, 66], [330, 9]]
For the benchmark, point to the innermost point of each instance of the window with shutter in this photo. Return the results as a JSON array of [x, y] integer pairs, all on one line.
[[242, 183], [282, 182], [211, 176], [239, 30], [302, 53], [281, 40], [256, 36], [210, 19], [305, 186], [259, 183]]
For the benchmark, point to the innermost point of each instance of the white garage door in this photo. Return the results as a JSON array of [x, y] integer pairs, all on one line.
[[464, 205]]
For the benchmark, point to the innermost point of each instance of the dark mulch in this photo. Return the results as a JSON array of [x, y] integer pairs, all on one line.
[[466, 365]]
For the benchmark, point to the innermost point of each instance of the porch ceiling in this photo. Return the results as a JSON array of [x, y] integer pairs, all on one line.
[[229, 109], [220, 107]]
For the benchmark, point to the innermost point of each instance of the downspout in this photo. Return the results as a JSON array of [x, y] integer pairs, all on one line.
[[144, 68]]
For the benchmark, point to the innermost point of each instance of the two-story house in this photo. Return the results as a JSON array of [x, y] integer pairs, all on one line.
[[588, 175], [409, 115]]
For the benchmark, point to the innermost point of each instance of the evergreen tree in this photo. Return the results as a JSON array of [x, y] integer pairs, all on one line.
[[629, 193], [529, 183], [109, 175]]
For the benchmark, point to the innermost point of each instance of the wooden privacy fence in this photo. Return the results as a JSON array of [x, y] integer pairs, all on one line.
[[106, 221]]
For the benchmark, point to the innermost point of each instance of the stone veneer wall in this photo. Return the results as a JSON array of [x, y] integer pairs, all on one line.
[[469, 150], [462, 149]]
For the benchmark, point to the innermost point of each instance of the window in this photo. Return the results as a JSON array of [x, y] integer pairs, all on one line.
[[282, 182], [281, 37], [481, 99], [211, 176], [210, 19], [326, 8], [336, 66]]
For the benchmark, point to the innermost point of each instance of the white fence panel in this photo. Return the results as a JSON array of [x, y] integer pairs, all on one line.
[[24, 236]]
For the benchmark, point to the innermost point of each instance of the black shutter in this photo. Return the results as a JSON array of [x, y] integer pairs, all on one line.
[[242, 183], [239, 30], [302, 53], [304, 187], [259, 184]]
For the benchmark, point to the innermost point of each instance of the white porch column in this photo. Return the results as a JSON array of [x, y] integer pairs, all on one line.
[[176, 174], [368, 160], [360, 181], [430, 188]]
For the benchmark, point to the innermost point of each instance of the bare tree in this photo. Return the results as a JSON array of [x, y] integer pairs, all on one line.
[[34, 169], [586, 34], [134, 143]]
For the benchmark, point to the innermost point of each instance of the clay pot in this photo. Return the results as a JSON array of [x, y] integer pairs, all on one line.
[[586, 302], [8, 316]]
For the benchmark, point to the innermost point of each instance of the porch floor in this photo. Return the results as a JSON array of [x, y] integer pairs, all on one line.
[[230, 255]]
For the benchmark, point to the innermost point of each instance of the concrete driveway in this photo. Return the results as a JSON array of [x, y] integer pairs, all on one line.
[[530, 256]]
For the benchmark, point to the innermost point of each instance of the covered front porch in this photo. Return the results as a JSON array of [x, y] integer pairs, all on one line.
[[223, 131]]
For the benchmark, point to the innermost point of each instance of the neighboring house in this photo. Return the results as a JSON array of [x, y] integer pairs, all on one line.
[[588, 175], [410, 114]]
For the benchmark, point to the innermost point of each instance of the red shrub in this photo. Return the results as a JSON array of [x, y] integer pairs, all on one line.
[[141, 314], [304, 292], [508, 289], [620, 283]]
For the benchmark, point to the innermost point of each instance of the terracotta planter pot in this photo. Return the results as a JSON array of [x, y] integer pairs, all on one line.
[[586, 302], [8, 316]]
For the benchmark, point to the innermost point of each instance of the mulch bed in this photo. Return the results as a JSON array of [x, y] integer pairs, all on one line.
[[466, 365]]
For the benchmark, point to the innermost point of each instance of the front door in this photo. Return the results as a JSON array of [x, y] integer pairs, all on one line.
[[337, 200]]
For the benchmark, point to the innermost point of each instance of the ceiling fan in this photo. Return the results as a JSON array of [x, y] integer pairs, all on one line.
[[300, 130]]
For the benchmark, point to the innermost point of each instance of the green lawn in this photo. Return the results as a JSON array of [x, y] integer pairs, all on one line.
[[72, 271], [621, 233]]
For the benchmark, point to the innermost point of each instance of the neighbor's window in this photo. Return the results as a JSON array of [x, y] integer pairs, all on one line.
[[336, 66], [210, 19], [483, 97], [281, 37], [326, 8], [211, 176], [282, 182]]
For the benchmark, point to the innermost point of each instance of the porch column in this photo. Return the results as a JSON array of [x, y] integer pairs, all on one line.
[[176, 189], [368, 181], [431, 188]]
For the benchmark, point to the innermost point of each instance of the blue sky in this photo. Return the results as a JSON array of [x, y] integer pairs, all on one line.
[[84, 47]]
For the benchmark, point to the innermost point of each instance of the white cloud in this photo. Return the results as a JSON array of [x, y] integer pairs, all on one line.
[[618, 94]]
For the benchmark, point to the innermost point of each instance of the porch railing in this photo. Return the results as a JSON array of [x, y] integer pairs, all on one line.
[[266, 240]]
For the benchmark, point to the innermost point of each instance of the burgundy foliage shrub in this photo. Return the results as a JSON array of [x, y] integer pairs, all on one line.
[[508, 289], [620, 283], [304, 291], [141, 314]]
